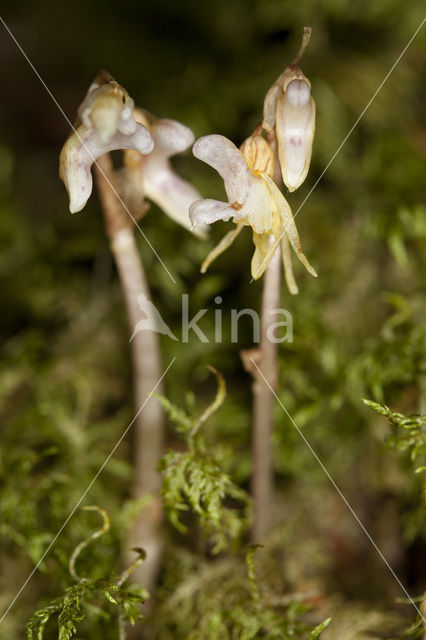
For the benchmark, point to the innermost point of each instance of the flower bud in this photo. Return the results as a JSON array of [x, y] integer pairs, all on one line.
[[295, 127], [258, 155]]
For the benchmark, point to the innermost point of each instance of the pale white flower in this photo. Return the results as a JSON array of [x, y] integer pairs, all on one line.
[[152, 176], [289, 119], [289, 111], [107, 124], [253, 200]]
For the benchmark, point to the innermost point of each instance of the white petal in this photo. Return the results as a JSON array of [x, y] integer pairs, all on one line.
[[170, 137], [82, 148], [160, 183], [172, 194], [210, 211], [221, 154], [295, 132]]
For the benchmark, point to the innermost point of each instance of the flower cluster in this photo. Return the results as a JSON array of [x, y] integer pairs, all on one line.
[[279, 149], [252, 173]]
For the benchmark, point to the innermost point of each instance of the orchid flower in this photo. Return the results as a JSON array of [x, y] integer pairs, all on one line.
[[289, 117], [107, 124], [253, 200], [152, 176]]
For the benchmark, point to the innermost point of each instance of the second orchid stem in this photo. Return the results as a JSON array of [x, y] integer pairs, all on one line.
[[146, 358], [262, 484]]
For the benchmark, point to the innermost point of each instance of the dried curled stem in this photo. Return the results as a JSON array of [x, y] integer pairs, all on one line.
[[220, 397], [305, 41], [97, 534]]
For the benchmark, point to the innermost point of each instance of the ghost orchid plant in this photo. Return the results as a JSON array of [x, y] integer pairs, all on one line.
[[279, 149], [108, 121], [250, 174]]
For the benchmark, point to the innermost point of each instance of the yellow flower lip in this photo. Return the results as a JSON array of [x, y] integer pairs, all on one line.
[[258, 155]]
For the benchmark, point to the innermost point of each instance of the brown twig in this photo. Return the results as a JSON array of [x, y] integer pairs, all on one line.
[[146, 358], [305, 41]]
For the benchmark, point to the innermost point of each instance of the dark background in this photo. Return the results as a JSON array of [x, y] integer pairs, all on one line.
[[358, 329]]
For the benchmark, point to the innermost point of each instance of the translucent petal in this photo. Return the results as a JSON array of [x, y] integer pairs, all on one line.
[[266, 244], [170, 137], [293, 72], [289, 226], [226, 242], [288, 268], [221, 154], [160, 183], [295, 128], [82, 148], [172, 194], [210, 211]]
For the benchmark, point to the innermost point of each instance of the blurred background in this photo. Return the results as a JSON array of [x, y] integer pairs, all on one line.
[[359, 331]]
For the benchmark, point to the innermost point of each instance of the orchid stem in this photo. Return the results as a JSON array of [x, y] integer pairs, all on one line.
[[146, 359], [263, 402], [305, 41]]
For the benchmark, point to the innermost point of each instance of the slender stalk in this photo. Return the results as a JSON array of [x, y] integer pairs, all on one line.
[[263, 402], [305, 41], [146, 359]]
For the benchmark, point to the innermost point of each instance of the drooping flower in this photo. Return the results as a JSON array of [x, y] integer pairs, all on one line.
[[110, 121], [107, 124], [152, 176], [253, 200], [289, 117]]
